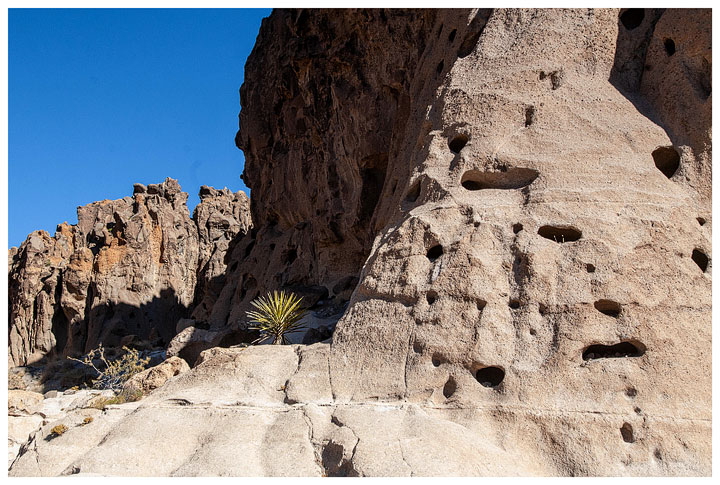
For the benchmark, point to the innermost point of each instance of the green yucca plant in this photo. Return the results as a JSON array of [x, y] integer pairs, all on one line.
[[278, 314]]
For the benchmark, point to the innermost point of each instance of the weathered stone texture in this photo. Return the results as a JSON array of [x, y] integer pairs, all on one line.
[[517, 203], [131, 266]]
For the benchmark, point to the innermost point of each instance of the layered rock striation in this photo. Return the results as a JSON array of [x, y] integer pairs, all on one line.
[[132, 266]]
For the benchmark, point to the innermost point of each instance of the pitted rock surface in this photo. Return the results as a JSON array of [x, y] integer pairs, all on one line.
[[516, 202]]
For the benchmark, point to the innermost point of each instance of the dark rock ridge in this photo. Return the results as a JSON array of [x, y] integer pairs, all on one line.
[[318, 134], [132, 266]]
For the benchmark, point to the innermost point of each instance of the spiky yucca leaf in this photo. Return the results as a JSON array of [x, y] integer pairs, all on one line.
[[278, 314]]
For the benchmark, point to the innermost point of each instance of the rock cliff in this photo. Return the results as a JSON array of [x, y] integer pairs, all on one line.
[[516, 204], [132, 266]]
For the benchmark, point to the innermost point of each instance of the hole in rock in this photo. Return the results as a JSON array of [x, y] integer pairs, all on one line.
[[514, 304], [290, 255], [512, 178], [249, 248], [703, 80], [533, 332], [560, 234], [458, 143], [449, 388], [608, 307], [590, 268], [490, 376], [669, 46], [623, 349], [657, 454], [440, 67], [480, 304], [631, 392], [437, 360], [468, 45], [431, 297], [451, 37], [413, 193], [632, 18], [517, 228], [434, 253], [373, 179], [417, 347], [627, 433], [667, 160], [700, 259], [542, 309], [638, 410], [701, 221], [529, 115]]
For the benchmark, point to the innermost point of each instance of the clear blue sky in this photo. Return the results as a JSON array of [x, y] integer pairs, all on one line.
[[102, 98]]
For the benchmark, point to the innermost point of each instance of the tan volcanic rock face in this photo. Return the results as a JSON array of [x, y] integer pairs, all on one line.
[[129, 267], [533, 292], [538, 261]]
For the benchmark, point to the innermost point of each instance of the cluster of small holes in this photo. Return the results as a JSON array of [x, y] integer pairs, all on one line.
[[666, 159]]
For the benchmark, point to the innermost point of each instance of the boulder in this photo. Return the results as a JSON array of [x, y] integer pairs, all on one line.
[[150, 379], [189, 343], [22, 403]]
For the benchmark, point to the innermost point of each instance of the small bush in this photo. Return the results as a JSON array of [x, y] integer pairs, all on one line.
[[114, 372], [102, 402], [87, 420], [59, 430], [278, 314]]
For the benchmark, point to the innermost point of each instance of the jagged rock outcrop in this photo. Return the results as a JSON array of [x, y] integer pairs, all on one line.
[[520, 200], [317, 134], [132, 266], [220, 217]]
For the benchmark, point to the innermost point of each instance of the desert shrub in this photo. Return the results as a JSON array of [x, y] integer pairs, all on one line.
[[87, 420], [121, 398], [277, 315], [113, 373], [59, 430]]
